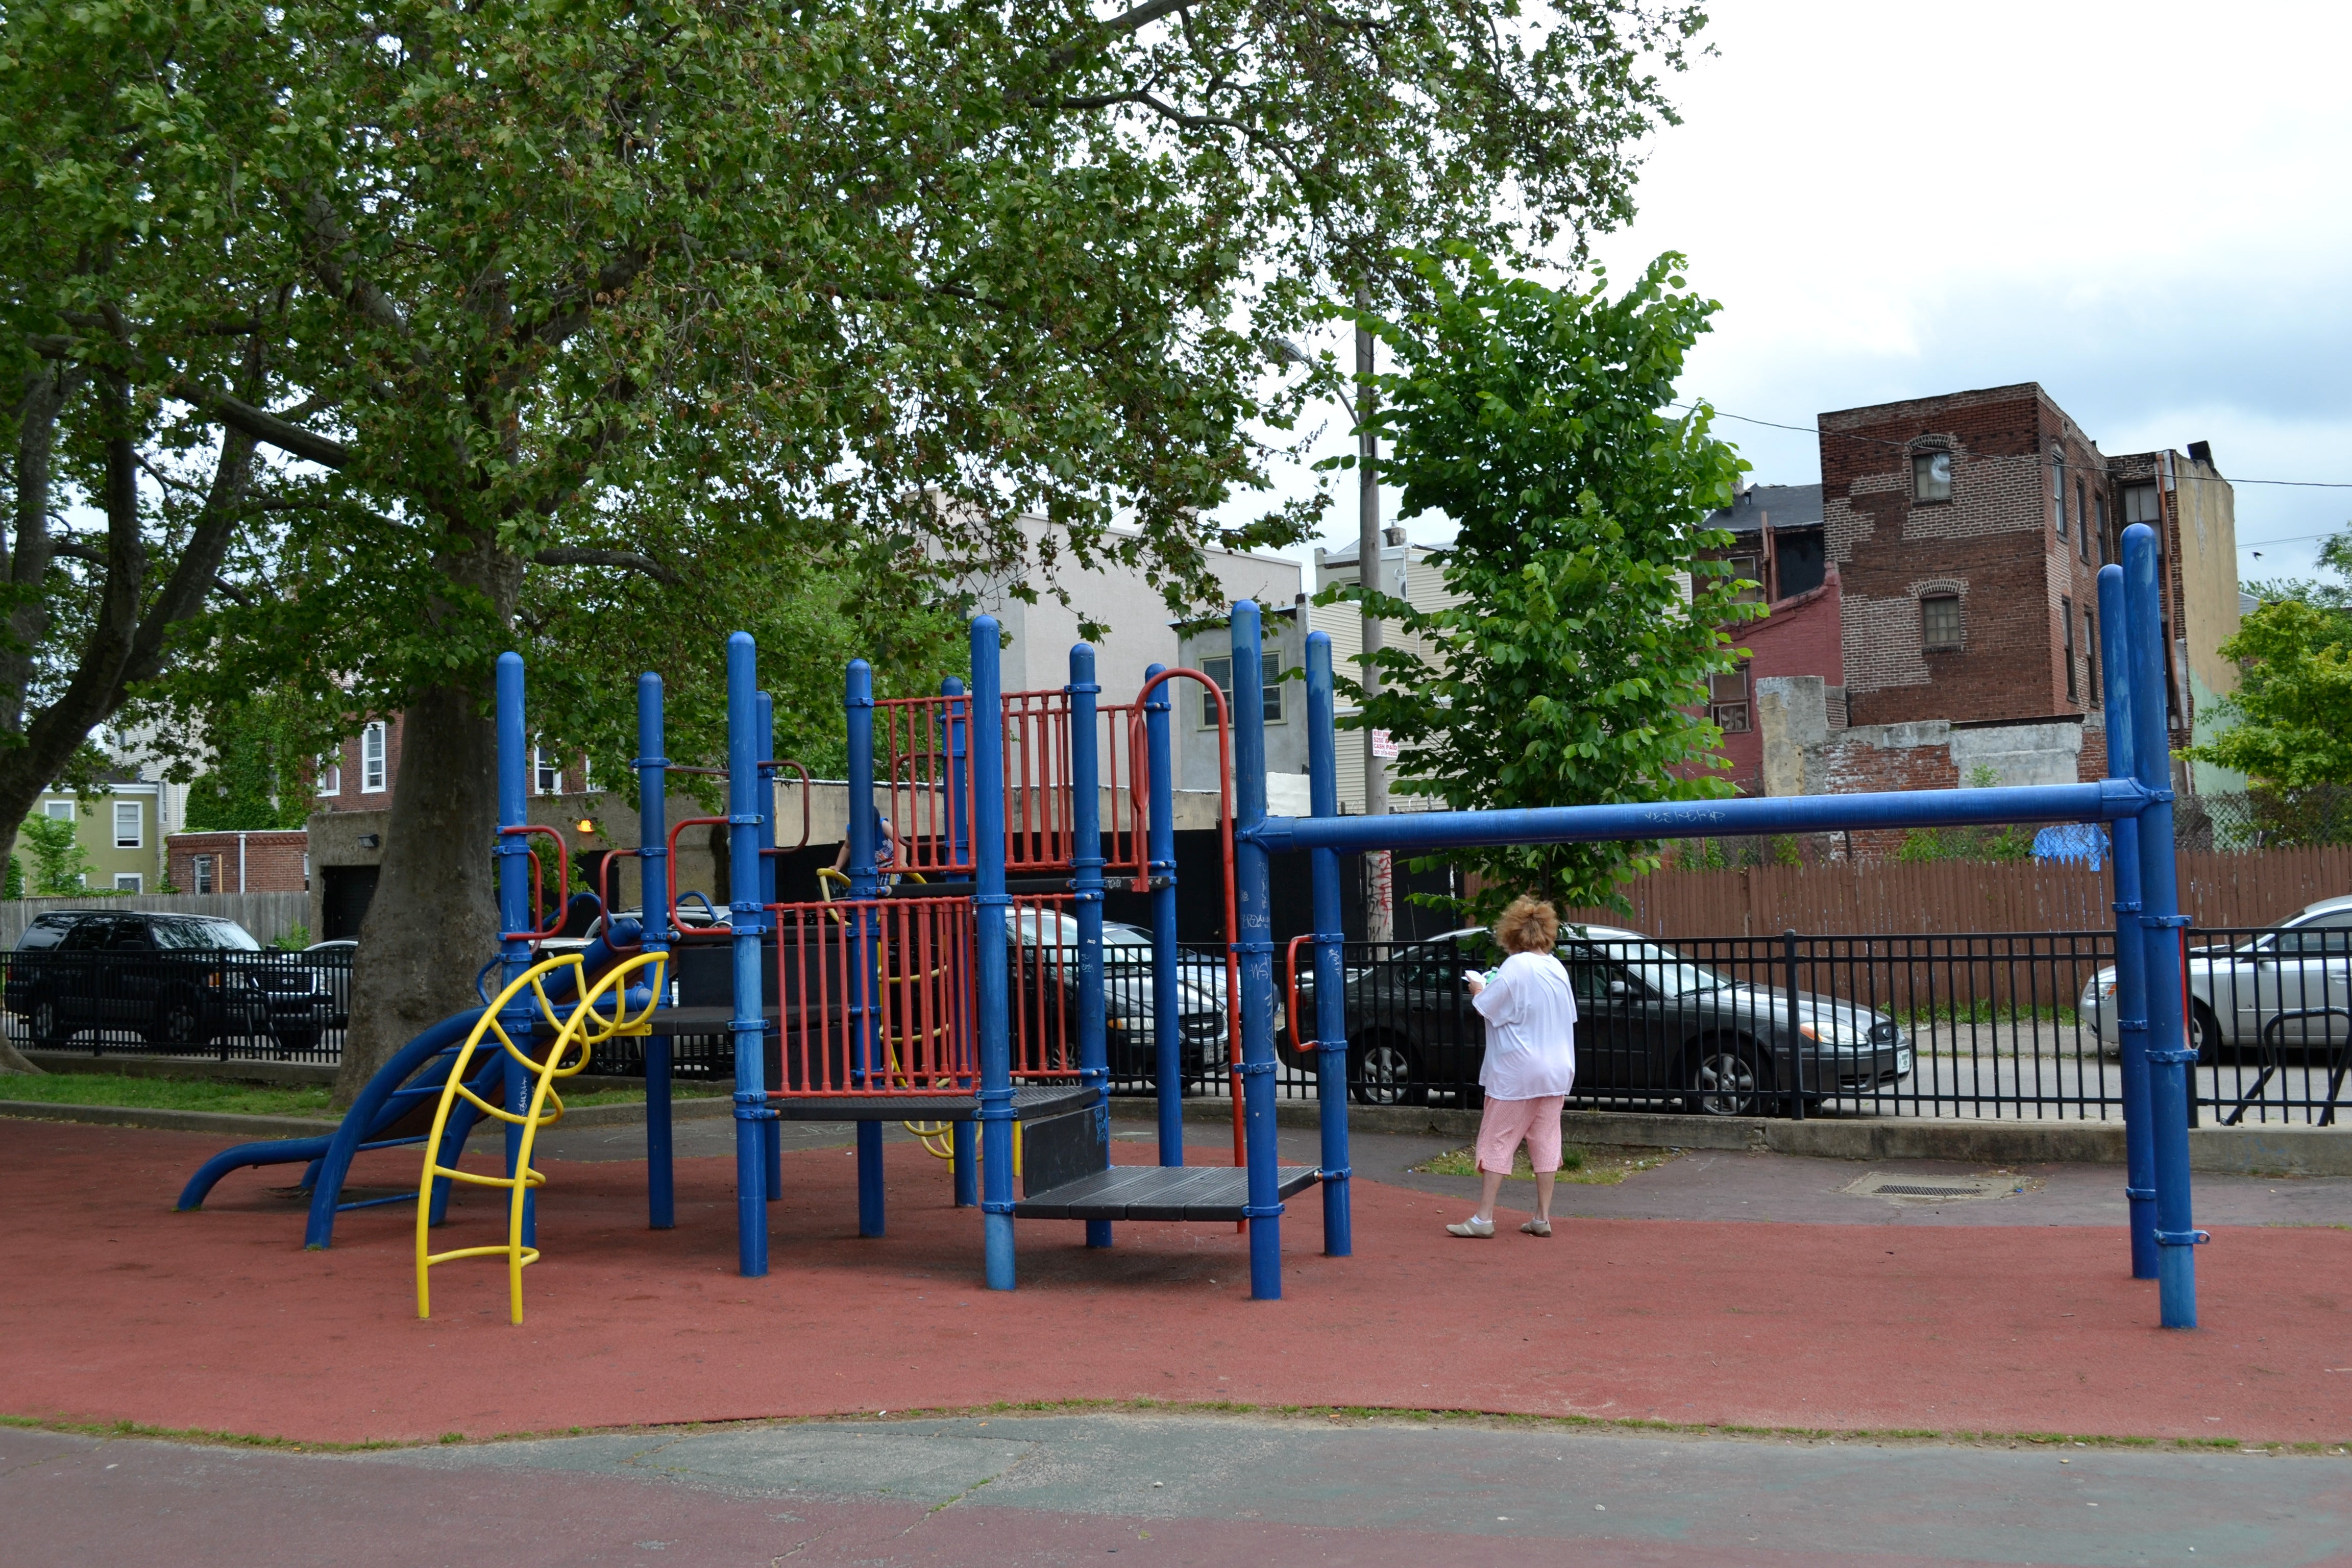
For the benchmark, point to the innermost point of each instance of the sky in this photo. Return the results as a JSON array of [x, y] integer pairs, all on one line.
[[2143, 207]]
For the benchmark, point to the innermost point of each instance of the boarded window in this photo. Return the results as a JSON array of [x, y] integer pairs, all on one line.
[[1726, 702]]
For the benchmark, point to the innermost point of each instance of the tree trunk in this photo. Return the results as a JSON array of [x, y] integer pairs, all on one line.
[[433, 922]]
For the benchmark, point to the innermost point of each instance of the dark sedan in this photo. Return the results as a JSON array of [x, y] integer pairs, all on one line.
[[1652, 1026]]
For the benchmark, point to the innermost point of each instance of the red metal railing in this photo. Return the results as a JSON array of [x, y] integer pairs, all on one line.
[[916, 955]]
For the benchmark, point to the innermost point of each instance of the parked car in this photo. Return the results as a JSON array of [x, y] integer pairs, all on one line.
[[1652, 1026], [174, 979], [2301, 964], [332, 960], [1045, 968]]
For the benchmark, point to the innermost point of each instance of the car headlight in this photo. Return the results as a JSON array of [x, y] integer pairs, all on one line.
[[1832, 1032]]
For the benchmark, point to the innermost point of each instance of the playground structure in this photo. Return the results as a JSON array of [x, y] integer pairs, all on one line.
[[919, 1001]]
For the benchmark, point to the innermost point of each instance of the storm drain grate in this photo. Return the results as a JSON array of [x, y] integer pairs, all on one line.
[[1949, 1189]]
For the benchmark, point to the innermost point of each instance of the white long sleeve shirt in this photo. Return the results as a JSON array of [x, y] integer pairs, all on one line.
[[1530, 1015]]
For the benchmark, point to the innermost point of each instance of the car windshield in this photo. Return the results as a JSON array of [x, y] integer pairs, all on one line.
[[1662, 970], [195, 932]]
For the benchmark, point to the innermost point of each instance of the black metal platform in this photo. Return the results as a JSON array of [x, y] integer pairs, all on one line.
[[1160, 1192], [1032, 1102]]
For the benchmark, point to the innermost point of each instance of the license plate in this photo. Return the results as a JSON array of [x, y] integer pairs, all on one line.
[[1902, 1060]]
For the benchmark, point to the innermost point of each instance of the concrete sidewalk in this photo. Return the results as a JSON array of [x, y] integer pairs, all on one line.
[[1036, 1491]]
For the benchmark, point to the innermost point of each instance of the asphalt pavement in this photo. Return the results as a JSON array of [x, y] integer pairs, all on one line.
[[1013, 1490]]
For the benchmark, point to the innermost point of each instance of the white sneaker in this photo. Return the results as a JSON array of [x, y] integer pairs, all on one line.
[[1473, 1227], [1538, 1227]]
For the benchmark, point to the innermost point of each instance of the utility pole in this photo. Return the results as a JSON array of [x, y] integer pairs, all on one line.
[[1380, 887]]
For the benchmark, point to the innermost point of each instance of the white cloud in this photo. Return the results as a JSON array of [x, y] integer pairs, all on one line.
[[2143, 207]]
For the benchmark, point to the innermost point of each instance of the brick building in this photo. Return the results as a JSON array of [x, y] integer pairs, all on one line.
[[1779, 547], [261, 861], [1965, 534]]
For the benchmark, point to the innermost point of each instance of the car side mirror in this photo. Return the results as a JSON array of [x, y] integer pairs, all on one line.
[[1621, 988]]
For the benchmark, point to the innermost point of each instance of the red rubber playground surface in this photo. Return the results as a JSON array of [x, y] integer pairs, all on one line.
[[218, 1320]]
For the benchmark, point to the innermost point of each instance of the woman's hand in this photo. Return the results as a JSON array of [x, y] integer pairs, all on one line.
[[1476, 984]]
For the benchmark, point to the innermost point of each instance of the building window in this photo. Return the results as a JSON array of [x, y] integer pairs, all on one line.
[[546, 777], [2091, 650], [1220, 670], [2082, 517], [1748, 579], [372, 769], [1940, 622], [330, 774], [1931, 475], [58, 810], [128, 882], [1726, 701], [129, 830], [2058, 490], [2066, 640], [2101, 502], [2140, 505], [202, 874]]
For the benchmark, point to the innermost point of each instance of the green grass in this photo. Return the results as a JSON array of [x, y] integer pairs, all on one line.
[[170, 1093], [244, 1098], [1603, 1168]]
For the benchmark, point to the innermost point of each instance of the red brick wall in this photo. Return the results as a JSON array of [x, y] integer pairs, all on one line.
[[273, 862], [1994, 544], [1801, 638], [351, 797]]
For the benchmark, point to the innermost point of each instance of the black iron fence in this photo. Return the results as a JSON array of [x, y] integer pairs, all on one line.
[[2006, 1025], [229, 1005]]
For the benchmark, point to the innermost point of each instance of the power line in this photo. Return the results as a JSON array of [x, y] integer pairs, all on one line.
[[1815, 430]]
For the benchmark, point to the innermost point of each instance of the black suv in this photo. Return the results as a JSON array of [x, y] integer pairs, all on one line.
[[182, 981]]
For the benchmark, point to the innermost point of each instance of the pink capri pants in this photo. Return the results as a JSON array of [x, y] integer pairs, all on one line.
[[1506, 1122]]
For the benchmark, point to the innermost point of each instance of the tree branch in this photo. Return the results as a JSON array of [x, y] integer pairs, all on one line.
[[263, 426], [626, 560]]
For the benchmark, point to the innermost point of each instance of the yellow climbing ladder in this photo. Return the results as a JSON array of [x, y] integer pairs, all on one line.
[[577, 1034]]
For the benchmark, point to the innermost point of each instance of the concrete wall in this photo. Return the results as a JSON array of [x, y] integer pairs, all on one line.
[[1142, 627]]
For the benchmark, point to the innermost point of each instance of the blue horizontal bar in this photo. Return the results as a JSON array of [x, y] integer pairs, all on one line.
[[2104, 801]]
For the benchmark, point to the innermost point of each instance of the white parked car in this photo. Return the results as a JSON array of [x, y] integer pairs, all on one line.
[[2300, 965]]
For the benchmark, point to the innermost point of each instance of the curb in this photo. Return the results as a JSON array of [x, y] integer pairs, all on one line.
[[280, 1075], [229, 1124], [2222, 1150]]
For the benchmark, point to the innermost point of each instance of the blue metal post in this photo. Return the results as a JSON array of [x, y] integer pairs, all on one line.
[[2131, 957], [520, 1018], [1253, 948], [866, 1064], [653, 905], [966, 1142], [2170, 1054], [1330, 973], [1167, 999], [750, 1023], [772, 1129], [1086, 875], [989, 903]]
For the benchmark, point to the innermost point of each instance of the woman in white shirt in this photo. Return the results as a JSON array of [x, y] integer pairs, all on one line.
[[1530, 1065]]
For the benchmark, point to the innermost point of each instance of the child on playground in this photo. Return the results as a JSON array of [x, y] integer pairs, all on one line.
[[1530, 1065]]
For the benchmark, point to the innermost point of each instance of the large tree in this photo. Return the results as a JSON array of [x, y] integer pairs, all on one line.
[[1574, 670], [582, 286]]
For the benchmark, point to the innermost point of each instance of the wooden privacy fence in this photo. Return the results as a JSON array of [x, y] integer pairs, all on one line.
[[1950, 897], [268, 915]]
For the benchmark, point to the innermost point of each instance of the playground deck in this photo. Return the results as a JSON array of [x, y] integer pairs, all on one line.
[[218, 1320]]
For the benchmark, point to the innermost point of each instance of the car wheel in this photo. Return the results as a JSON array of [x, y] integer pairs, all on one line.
[[1384, 1071], [47, 1022], [1726, 1078], [297, 1042], [2205, 1034], [183, 1023]]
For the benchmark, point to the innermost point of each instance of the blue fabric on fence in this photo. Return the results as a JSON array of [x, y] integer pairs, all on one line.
[[2073, 843]]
